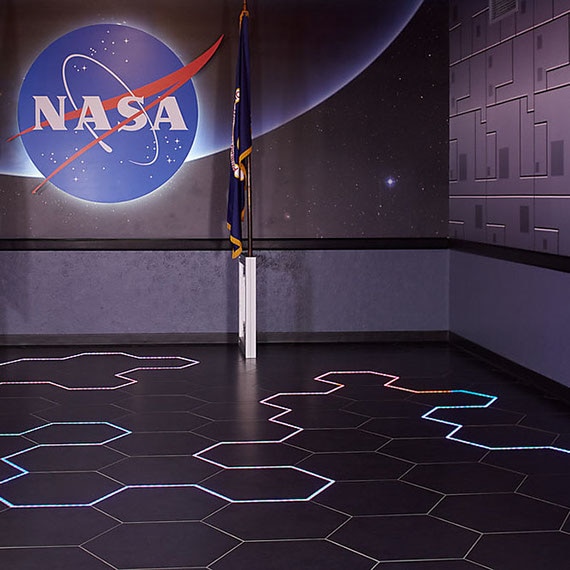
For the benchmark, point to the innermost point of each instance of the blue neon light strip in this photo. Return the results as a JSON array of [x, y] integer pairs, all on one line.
[[457, 427], [8, 458], [277, 419], [327, 482]]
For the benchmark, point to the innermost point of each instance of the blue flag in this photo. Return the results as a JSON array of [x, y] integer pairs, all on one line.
[[241, 140]]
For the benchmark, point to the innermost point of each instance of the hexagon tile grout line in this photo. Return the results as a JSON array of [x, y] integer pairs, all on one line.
[[273, 419], [276, 419], [296, 430]]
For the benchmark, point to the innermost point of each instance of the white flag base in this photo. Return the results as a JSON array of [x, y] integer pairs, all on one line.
[[247, 306]]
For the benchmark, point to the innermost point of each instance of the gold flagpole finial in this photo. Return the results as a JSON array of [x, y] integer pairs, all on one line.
[[244, 11]]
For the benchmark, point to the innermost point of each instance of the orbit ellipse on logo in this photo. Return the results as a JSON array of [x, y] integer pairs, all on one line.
[[107, 113]]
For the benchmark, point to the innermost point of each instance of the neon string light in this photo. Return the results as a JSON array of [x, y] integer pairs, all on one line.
[[122, 375], [22, 471], [267, 401], [457, 426], [278, 418], [282, 411]]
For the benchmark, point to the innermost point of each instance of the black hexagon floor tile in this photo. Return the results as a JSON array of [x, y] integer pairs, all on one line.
[[277, 521], [158, 470], [8, 472], [20, 422], [358, 466], [373, 394], [265, 484], [58, 489], [162, 421], [388, 408], [255, 454], [529, 402], [164, 511], [563, 441], [160, 443], [307, 402], [162, 403], [530, 461], [75, 433], [456, 478], [25, 404], [557, 423], [13, 444], [286, 555], [500, 512], [161, 545], [67, 458], [478, 416], [434, 450], [430, 565], [319, 440], [223, 394], [401, 428], [522, 550], [146, 387], [551, 488], [244, 431], [157, 503], [407, 537], [82, 413], [251, 411], [431, 383], [378, 498], [324, 418], [505, 436], [52, 526], [62, 558]]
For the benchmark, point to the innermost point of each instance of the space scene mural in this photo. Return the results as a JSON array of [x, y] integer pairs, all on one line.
[[115, 118]]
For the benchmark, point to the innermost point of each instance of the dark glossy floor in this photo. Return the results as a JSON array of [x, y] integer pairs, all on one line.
[[347, 457]]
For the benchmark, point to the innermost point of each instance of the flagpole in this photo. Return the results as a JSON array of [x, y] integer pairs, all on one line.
[[240, 200], [248, 187]]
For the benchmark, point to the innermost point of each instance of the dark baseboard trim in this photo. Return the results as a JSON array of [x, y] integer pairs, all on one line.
[[352, 336], [523, 256], [546, 385], [218, 338], [219, 244], [116, 339]]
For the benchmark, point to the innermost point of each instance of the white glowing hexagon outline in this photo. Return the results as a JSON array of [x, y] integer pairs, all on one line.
[[122, 375], [295, 430], [283, 410], [22, 471]]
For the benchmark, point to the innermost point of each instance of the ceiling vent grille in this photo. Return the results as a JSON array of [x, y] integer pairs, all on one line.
[[499, 9]]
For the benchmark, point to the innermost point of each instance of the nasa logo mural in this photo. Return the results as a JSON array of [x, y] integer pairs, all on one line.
[[108, 113]]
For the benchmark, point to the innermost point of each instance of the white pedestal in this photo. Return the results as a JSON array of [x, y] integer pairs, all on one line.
[[247, 306]]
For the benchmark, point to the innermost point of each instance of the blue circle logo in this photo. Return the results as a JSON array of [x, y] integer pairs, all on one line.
[[108, 113]]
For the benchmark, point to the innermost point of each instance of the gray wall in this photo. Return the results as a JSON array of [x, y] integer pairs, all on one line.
[[508, 124], [517, 311], [45, 293]]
